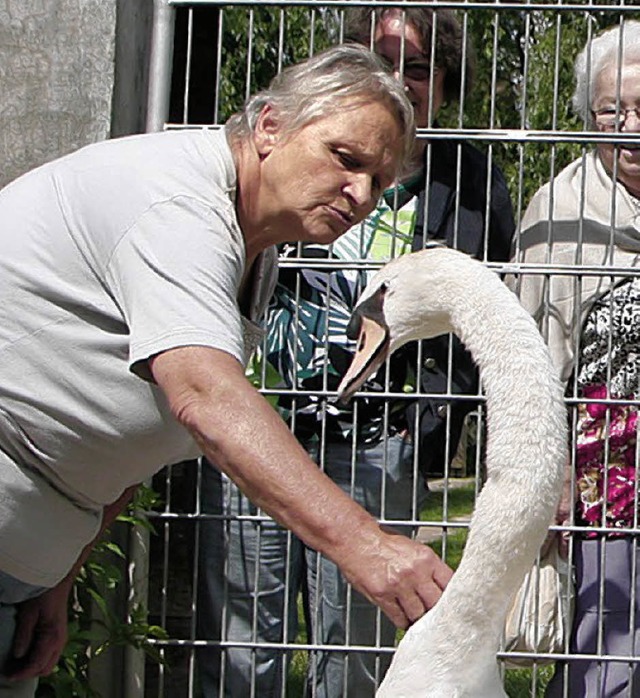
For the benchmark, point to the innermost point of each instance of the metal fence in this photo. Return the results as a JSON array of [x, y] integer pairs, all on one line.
[[206, 58]]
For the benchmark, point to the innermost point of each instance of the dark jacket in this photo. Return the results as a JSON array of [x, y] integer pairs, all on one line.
[[456, 213]]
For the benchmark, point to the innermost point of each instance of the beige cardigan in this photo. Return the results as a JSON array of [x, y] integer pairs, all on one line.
[[577, 220]]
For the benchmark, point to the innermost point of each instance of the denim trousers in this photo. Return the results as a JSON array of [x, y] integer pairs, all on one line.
[[13, 592], [605, 581], [252, 597]]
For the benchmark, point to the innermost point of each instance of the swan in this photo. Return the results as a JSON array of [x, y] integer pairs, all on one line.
[[451, 651]]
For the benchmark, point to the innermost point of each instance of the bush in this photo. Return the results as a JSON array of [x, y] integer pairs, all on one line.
[[94, 626]]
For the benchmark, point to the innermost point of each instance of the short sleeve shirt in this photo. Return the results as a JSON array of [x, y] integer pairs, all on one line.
[[109, 256]]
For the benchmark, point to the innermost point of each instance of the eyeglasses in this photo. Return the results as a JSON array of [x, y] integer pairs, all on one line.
[[610, 117], [416, 71]]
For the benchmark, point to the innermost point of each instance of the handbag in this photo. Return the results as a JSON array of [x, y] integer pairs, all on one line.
[[541, 612]]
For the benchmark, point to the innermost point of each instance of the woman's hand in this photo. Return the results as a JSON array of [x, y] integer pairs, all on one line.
[[41, 622], [404, 578], [563, 515], [41, 632]]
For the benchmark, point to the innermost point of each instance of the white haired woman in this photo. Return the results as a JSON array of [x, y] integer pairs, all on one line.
[[131, 275], [589, 215]]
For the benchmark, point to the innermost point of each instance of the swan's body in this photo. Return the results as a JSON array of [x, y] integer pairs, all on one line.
[[451, 651]]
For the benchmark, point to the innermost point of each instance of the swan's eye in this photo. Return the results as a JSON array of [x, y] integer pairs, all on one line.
[[384, 286]]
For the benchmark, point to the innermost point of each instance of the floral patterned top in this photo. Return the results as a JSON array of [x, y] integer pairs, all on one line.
[[606, 444]]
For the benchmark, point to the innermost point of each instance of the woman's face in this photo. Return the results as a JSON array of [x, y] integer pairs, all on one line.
[[390, 34], [626, 155], [316, 183]]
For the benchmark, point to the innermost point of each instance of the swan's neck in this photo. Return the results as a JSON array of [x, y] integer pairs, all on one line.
[[526, 451]]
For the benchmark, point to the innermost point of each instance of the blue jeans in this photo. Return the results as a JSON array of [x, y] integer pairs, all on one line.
[[13, 592], [267, 567], [620, 569]]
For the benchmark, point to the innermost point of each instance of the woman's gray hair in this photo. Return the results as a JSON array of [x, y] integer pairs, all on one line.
[[342, 77], [599, 53]]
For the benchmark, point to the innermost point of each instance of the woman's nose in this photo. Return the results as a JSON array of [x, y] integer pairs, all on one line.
[[359, 189]]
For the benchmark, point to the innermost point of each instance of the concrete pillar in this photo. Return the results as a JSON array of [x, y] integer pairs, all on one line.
[[72, 72]]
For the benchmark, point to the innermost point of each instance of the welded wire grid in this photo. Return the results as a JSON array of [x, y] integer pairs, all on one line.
[[207, 58]]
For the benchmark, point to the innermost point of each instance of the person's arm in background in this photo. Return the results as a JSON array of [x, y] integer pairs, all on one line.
[[437, 418], [239, 431], [41, 622], [564, 512]]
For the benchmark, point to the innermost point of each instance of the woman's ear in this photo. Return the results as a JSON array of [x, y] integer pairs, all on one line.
[[267, 131]]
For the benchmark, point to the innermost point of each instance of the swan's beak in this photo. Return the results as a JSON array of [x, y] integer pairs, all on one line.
[[371, 351]]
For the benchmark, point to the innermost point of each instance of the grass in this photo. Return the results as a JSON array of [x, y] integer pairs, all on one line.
[[519, 683], [458, 506]]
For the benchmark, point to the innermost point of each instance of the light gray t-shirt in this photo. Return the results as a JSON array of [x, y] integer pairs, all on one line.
[[108, 256]]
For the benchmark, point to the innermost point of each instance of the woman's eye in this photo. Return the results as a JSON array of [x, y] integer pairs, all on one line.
[[348, 160], [418, 73]]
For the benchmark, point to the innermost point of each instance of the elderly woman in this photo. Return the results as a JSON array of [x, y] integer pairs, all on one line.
[[370, 448], [589, 215], [131, 275]]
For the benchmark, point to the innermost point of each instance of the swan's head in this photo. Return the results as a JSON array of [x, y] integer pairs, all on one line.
[[401, 303]]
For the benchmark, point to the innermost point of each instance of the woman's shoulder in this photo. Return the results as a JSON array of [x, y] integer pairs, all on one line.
[[569, 180]]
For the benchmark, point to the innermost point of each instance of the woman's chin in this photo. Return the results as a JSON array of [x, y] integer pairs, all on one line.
[[630, 177], [320, 237]]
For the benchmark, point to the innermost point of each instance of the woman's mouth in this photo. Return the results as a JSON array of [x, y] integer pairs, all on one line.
[[345, 217]]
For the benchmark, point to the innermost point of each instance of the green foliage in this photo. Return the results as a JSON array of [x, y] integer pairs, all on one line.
[[527, 683], [261, 40], [93, 626], [524, 80]]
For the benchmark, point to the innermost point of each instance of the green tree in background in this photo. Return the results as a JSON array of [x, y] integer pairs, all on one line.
[[259, 41], [525, 80]]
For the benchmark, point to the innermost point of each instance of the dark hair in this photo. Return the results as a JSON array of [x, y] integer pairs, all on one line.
[[451, 54]]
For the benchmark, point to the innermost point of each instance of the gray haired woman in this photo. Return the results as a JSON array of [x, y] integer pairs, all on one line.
[[589, 215], [131, 276]]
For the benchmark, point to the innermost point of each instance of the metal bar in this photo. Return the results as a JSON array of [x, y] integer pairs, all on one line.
[[160, 62], [491, 135], [434, 4]]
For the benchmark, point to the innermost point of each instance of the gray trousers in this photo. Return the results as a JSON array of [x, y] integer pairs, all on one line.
[[607, 611], [252, 597], [12, 592]]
